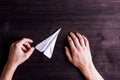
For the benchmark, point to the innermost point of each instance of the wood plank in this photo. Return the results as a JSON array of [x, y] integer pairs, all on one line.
[[99, 20]]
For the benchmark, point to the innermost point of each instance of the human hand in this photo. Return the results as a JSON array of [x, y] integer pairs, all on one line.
[[80, 56], [79, 53], [20, 51]]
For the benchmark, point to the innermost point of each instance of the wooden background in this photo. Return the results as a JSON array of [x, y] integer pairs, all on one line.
[[99, 20]]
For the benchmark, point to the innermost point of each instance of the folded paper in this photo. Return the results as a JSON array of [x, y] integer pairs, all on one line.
[[47, 45]]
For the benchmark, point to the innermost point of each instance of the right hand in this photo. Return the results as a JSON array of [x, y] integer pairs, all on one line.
[[79, 53], [80, 56]]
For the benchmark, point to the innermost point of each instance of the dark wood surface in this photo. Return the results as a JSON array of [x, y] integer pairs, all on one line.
[[99, 20]]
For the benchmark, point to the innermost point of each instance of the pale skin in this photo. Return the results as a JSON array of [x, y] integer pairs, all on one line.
[[78, 54], [20, 51]]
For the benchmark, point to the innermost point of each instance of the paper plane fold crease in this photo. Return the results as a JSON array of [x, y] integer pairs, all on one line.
[[47, 45]]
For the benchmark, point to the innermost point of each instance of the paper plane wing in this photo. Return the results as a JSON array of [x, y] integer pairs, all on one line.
[[47, 45]]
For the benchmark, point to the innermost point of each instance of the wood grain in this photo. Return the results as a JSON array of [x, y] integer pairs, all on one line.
[[99, 20]]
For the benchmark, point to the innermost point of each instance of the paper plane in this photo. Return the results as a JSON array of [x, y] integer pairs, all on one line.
[[47, 45]]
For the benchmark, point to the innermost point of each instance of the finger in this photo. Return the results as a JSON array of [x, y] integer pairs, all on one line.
[[30, 51], [75, 39], [67, 51], [86, 41], [80, 39], [71, 43], [24, 49], [13, 44], [25, 40], [27, 45]]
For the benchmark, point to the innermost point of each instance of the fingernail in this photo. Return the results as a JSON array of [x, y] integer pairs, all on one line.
[[82, 35], [77, 33], [71, 32], [68, 37]]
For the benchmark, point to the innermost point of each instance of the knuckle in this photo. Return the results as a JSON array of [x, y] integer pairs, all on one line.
[[74, 50], [16, 45], [78, 48], [23, 38], [75, 38], [13, 44], [83, 48], [70, 40], [81, 39]]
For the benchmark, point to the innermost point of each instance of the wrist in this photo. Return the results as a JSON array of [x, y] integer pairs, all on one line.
[[90, 72], [10, 64], [8, 71], [87, 67]]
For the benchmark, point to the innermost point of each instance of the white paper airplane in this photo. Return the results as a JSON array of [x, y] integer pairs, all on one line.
[[47, 45]]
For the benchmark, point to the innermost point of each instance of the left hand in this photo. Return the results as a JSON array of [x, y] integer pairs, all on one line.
[[20, 51]]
